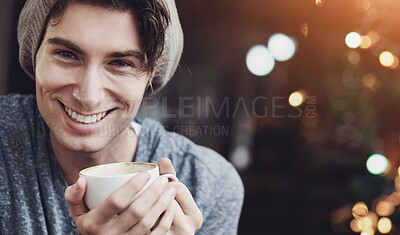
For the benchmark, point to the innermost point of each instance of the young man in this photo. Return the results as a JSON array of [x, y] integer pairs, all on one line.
[[92, 62]]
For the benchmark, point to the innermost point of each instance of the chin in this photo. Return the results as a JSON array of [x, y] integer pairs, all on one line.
[[82, 145]]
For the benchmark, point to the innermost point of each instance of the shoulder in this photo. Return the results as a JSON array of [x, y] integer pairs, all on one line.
[[15, 107], [19, 120]]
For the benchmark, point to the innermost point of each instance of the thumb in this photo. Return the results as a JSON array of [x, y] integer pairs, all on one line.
[[166, 166], [74, 197]]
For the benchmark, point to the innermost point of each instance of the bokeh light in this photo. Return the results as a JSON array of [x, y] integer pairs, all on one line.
[[395, 62], [360, 210], [384, 225], [384, 208], [368, 232], [366, 224], [319, 3], [259, 60], [369, 80], [377, 164], [394, 198], [386, 59], [241, 158], [354, 58], [366, 42], [304, 29], [374, 36], [296, 98], [353, 40], [356, 225], [281, 46]]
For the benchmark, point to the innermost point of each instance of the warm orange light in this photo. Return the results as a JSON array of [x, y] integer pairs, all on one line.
[[366, 223], [356, 225], [304, 29], [374, 36], [384, 208], [394, 198], [384, 225], [397, 183], [369, 80], [296, 98], [354, 57], [395, 62], [360, 210], [373, 217], [319, 3], [366, 42], [386, 58], [368, 232]]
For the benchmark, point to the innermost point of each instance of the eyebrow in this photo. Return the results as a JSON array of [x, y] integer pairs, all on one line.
[[68, 44], [117, 54], [136, 54]]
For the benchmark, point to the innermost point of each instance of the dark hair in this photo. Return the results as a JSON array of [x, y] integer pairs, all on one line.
[[152, 20]]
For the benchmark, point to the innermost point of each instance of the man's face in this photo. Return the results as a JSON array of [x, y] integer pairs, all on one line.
[[88, 83]]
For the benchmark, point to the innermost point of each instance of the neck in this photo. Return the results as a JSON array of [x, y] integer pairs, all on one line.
[[121, 149]]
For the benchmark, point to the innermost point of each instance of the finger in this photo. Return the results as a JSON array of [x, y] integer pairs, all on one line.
[[166, 166], [120, 198], [142, 205], [74, 197], [150, 220], [184, 198], [182, 223], [165, 224], [187, 203]]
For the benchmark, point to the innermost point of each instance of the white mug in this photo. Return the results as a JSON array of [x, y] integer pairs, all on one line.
[[103, 180]]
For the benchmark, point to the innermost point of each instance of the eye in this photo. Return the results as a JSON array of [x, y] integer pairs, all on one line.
[[121, 63], [66, 54]]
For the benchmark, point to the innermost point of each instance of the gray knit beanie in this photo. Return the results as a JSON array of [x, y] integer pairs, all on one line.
[[32, 22]]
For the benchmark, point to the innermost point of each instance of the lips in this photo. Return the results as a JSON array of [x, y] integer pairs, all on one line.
[[81, 118]]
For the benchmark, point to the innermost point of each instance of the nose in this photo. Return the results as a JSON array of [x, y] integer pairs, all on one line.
[[88, 89]]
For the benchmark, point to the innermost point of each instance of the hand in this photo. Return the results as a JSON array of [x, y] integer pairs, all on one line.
[[141, 217], [188, 218]]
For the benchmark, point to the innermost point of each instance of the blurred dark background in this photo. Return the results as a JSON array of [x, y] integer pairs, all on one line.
[[303, 167]]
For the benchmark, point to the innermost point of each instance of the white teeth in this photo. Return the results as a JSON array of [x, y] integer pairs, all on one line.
[[87, 119], [82, 118]]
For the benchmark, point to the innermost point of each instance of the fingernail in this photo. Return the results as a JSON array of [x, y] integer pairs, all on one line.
[[145, 176], [171, 192], [75, 187]]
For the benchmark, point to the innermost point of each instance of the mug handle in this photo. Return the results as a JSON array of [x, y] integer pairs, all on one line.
[[170, 176]]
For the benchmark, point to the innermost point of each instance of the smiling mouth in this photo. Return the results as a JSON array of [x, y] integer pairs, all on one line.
[[86, 119]]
